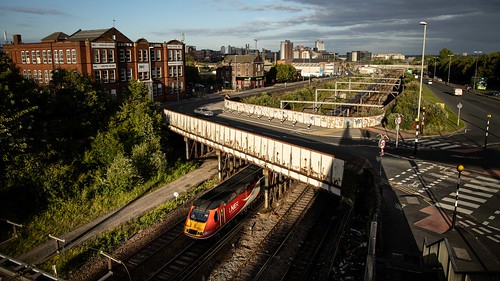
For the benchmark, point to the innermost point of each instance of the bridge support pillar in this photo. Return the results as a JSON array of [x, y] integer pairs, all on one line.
[[219, 164], [266, 188], [186, 141]]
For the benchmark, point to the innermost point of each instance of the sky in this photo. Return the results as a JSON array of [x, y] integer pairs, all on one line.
[[381, 26]]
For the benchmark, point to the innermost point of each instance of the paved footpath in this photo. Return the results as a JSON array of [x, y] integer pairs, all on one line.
[[133, 210]]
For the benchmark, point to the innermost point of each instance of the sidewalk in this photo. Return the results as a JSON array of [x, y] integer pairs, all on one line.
[[133, 210]]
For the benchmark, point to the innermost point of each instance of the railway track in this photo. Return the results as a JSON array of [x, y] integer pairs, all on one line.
[[259, 263], [175, 256]]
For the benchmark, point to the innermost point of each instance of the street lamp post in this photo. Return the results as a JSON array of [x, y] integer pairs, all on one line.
[[460, 169], [475, 72], [420, 89], [449, 67], [434, 76]]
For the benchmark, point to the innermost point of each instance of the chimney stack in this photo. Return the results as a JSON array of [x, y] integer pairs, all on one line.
[[17, 39]]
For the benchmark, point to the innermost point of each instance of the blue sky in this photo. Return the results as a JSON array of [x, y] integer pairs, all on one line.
[[382, 26]]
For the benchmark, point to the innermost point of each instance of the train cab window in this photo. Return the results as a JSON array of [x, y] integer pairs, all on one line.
[[199, 215], [216, 216]]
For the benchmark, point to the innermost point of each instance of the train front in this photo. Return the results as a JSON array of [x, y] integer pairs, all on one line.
[[198, 225]]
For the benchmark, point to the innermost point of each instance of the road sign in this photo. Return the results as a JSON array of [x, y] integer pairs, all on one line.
[[459, 105], [398, 119], [381, 144]]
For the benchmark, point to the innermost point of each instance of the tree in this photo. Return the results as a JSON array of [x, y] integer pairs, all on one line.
[[17, 118], [285, 73]]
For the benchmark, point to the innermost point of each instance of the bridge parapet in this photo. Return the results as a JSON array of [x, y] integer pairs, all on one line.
[[319, 120], [300, 163]]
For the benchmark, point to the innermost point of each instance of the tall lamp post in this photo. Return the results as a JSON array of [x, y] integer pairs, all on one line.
[[421, 70], [449, 67], [475, 72], [434, 76]]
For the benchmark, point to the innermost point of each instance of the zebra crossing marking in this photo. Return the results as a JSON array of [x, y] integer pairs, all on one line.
[[461, 202], [472, 198], [480, 187]]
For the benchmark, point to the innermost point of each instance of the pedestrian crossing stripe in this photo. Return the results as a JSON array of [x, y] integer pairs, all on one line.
[[482, 194], [480, 187], [471, 198], [452, 207], [461, 202], [489, 179], [486, 183]]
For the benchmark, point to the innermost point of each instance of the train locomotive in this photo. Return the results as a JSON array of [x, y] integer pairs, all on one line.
[[217, 207]]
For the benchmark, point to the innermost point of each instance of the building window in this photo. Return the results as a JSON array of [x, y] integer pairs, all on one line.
[[153, 73], [104, 56], [139, 55], [123, 74], [40, 78], [145, 55], [180, 71], [97, 75], [38, 60], [121, 54], [23, 57], [73, 56], [33, 57], [25, 75], [160, 89], [104, 76], [158, 55], [111, 55], [96, 56], [46, 75], [152, 54], [44, 56], [178, 55], [61, 57], [128, 56], [49, 56], [68, 56], [112, 76], [29, 74], [129, 74], [158, 72]]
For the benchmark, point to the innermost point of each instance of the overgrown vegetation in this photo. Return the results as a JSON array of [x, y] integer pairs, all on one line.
[[438, 118], [71, 153], [75, 257], [325, 94]]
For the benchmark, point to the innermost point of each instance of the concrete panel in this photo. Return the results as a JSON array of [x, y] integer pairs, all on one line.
[[325, 121]]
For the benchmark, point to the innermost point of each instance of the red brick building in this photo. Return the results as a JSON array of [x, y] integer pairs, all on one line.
[[106, 56], [239, 72]]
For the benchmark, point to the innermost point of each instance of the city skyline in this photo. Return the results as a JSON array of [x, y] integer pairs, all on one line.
[[343, 26]]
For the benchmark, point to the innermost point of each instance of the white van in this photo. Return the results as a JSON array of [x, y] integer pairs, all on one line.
[[458, 92]]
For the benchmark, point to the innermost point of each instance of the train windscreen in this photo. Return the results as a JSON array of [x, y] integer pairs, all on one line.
[[199, 215]]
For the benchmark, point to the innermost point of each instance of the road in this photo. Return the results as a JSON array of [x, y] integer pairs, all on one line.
[[474, 112]]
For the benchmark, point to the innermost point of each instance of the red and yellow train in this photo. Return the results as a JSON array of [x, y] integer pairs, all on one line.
[[217, 207]]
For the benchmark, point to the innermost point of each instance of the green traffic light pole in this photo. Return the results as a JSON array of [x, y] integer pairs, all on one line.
[[460, 169]]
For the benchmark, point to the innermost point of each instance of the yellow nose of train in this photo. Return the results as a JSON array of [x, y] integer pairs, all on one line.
[[194, 228]]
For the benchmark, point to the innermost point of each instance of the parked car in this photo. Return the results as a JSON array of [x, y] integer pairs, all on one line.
[[203, 111], [494, 93]]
